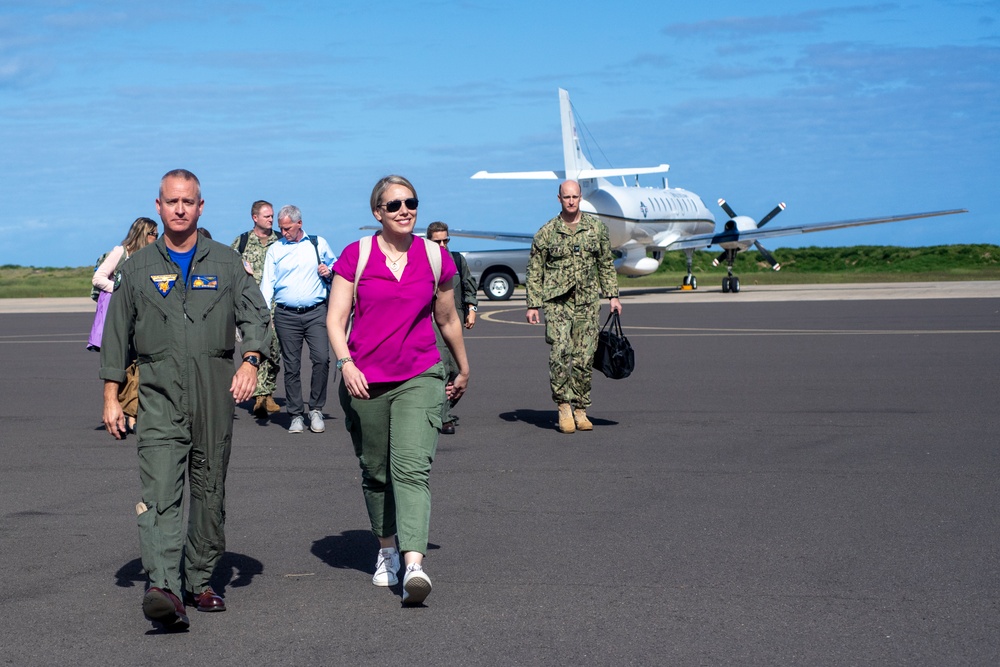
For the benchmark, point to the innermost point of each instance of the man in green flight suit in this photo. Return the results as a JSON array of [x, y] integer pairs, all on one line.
[[179, 302], [467, 305], [252, 246], [570, 266]]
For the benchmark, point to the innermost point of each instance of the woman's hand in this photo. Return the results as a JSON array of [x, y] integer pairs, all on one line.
[[456, 388], [354, 380]]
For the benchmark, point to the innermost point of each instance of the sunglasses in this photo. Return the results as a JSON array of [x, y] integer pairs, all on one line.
[[442, 241], [396, 204]]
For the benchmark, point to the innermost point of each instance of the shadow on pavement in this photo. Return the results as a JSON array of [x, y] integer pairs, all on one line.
[[235, 570]]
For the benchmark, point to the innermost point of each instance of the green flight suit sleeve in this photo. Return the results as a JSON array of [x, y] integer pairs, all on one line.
[[119, 327], [253, 318], [466, 293]]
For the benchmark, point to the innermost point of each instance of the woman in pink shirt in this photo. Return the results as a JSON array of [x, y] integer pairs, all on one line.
[[392, 374]]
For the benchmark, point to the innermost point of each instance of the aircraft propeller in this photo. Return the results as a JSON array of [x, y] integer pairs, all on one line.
[[731, 283], [767, 218], [768, 257]]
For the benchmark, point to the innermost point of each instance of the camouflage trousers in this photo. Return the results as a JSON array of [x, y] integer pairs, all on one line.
[[267, 372], [571, 329]]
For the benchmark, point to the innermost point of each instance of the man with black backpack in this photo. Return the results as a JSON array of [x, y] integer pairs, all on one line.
[[296, 280], [252, 247]]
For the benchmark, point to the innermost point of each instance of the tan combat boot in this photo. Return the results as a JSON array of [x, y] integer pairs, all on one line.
[[566, 423], [270, 405], [582, 423], [259, 408]]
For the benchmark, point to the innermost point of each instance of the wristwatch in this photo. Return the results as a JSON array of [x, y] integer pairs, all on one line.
[[253, 360], [341, 362], [473, 309]]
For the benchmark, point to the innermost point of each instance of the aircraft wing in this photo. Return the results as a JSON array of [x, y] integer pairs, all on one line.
[[706, 240], [512, 237], [584, 173], [524, 175]]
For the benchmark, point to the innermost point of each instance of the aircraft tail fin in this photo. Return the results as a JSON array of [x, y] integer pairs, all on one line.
[[577, 167], [573, 158]]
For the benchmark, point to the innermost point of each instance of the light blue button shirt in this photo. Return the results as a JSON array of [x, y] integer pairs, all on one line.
[[291, 272]]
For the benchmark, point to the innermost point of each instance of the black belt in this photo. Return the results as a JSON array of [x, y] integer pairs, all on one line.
[[299, 309]]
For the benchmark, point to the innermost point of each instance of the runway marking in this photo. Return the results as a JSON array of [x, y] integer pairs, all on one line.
[[489, 316], [642, 332], [792, 332], [30, 335], [637, 331], [13, 342]]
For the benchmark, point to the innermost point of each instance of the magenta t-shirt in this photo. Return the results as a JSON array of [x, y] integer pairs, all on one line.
[[392, 338]]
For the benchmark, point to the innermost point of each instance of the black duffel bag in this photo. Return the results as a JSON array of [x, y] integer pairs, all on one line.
[[614, 356]]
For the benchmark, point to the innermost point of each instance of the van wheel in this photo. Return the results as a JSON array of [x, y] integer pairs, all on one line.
[[498, 286]]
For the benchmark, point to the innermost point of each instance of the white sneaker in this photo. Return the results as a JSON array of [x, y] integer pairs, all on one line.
[[416, 585], [386, 567], [298, 425], [316, 424]]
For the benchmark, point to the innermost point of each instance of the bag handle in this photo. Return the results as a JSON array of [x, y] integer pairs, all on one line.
[[616, 324]]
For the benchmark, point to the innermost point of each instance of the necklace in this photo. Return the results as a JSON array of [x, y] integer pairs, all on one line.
[[393, 263]]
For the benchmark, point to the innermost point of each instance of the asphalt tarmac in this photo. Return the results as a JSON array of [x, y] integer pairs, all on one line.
[[793, 482]]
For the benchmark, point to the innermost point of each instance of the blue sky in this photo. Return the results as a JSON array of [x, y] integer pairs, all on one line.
[[842, 110]]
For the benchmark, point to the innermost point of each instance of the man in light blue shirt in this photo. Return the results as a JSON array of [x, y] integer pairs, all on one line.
[[296, 281]]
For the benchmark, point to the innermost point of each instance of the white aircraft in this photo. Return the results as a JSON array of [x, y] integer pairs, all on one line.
[[644, 222]]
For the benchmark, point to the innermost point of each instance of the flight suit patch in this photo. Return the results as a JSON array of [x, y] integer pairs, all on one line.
[[204, 282], [164, 282]]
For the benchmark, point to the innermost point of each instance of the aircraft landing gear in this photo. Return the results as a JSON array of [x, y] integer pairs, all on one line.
[[730, 283], [690, 282]]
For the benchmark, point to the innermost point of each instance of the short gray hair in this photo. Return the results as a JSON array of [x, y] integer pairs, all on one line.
[[291, 212]]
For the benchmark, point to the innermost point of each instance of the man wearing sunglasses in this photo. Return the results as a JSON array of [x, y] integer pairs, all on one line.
[[570, 266], [466, 303], [296, 281]]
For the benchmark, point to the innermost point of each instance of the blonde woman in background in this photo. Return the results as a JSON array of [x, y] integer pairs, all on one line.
[[142, 232]]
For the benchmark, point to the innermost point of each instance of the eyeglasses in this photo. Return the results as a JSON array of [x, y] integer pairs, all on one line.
[[441, 241], [396, 204]]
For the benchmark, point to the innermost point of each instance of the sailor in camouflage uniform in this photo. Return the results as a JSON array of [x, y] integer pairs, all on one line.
[[570, 267], [253, 245]]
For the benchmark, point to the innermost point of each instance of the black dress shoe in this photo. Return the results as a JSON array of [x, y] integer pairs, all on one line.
[[448, 428], [162, 606], [207, 600]]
